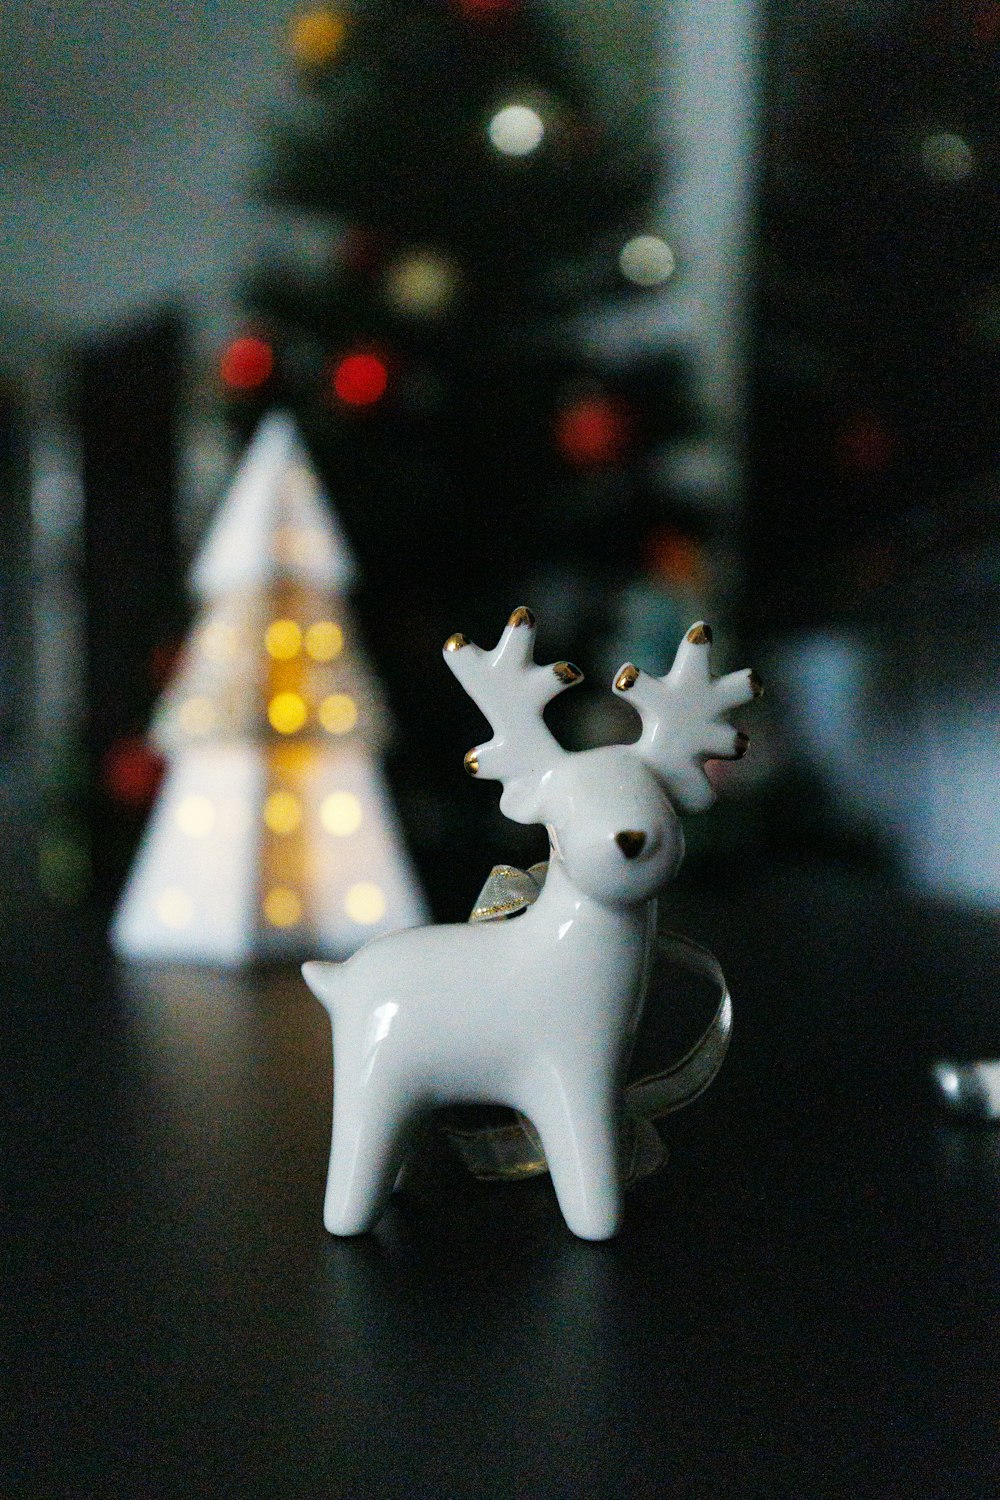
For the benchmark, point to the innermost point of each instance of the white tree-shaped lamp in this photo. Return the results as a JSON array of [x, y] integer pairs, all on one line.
[[274, 833]]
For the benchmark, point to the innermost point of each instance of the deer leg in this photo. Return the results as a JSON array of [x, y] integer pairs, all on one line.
[[576, 1112], [369, 1143]]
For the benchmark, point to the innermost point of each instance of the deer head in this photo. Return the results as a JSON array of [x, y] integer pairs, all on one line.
[[611, 812]]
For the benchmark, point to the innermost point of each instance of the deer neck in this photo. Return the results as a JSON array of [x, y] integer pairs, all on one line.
[[625, 932]]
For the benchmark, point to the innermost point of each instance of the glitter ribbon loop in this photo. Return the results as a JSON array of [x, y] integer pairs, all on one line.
[[509, 1148]]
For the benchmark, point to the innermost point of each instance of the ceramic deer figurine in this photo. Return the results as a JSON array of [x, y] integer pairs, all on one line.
[[538, 1013]]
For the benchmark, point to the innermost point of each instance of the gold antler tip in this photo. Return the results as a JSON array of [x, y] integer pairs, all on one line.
[[700, 634], [471, 763], [756, 686], [627, 678], [521, 616], [455, 642], [567, 673]]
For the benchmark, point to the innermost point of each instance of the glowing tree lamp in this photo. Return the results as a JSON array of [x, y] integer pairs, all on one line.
[[273, 834]]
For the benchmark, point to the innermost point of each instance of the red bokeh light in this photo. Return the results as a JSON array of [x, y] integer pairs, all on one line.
[[360, 379], [487, 10], [675, 558], [131, 771], [593, 432], [247, 363]]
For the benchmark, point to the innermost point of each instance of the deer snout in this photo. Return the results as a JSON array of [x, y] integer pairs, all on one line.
[[631, 842]]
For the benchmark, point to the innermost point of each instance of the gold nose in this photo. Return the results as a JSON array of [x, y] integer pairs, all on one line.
[[630, 842]]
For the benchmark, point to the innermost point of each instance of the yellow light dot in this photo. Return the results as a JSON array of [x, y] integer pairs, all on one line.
[[338, 713], [324, 640], [282, 906], [283, 639], [287, 712], [365, 903], [516, 130], [422, 283], [647, 260], [218, 641], [282, 812], [316, 36], [340, 813], [174, 907], [197, 715], [195, 816]]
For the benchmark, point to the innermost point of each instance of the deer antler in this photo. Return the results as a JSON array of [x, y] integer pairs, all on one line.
[[682, 718], [512, 690]]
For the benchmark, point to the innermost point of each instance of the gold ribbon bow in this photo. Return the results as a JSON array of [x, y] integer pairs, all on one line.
[[498, 1143]]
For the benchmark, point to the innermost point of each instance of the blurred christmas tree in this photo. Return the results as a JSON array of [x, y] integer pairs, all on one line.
[[273, 835], [879, 356], [455, 208]]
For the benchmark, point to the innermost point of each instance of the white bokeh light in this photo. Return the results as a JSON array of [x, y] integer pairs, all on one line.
[[516, 130], [646, 260], [947, 157]]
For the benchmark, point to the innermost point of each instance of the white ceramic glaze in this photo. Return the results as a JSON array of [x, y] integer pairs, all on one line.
[[537, 1013]]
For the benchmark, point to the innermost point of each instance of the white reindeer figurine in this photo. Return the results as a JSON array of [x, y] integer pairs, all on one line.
[[538, 1013]]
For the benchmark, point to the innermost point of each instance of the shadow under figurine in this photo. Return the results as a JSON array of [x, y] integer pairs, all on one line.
[[539, 1013]]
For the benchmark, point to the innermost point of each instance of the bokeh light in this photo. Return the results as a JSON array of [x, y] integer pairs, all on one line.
[[195, 816], [365, 903], [247, 363], [646, 260], [287, 712], [282, 812], [360, 379], [340, 813], [282, 906], [947, 157], [324, 640], [316, 36], [422, 283], [283, 639], [516, 130], [338, 713], [131, 771], [593, 431]]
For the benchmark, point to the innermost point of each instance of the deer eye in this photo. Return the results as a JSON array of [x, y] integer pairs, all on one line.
[[630, 842]]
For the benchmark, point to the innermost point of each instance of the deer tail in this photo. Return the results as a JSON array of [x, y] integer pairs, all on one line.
[[323, 978]]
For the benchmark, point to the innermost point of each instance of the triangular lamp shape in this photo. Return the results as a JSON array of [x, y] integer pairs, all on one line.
[[274, 834], [275, 523]]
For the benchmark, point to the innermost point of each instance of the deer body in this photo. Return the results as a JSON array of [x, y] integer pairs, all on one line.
[[537, 1013]]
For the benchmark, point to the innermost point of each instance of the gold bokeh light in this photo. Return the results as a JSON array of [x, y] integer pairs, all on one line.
[[340, 813], [324, 640], [282, 906], [365, 903], [287, 712], [283, 639], [282, 812], [338, 713]]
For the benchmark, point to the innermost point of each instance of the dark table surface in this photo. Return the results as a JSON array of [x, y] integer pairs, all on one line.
[[805, 1303]]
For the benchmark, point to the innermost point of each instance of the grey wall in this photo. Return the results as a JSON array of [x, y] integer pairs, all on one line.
[[130, 129]]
